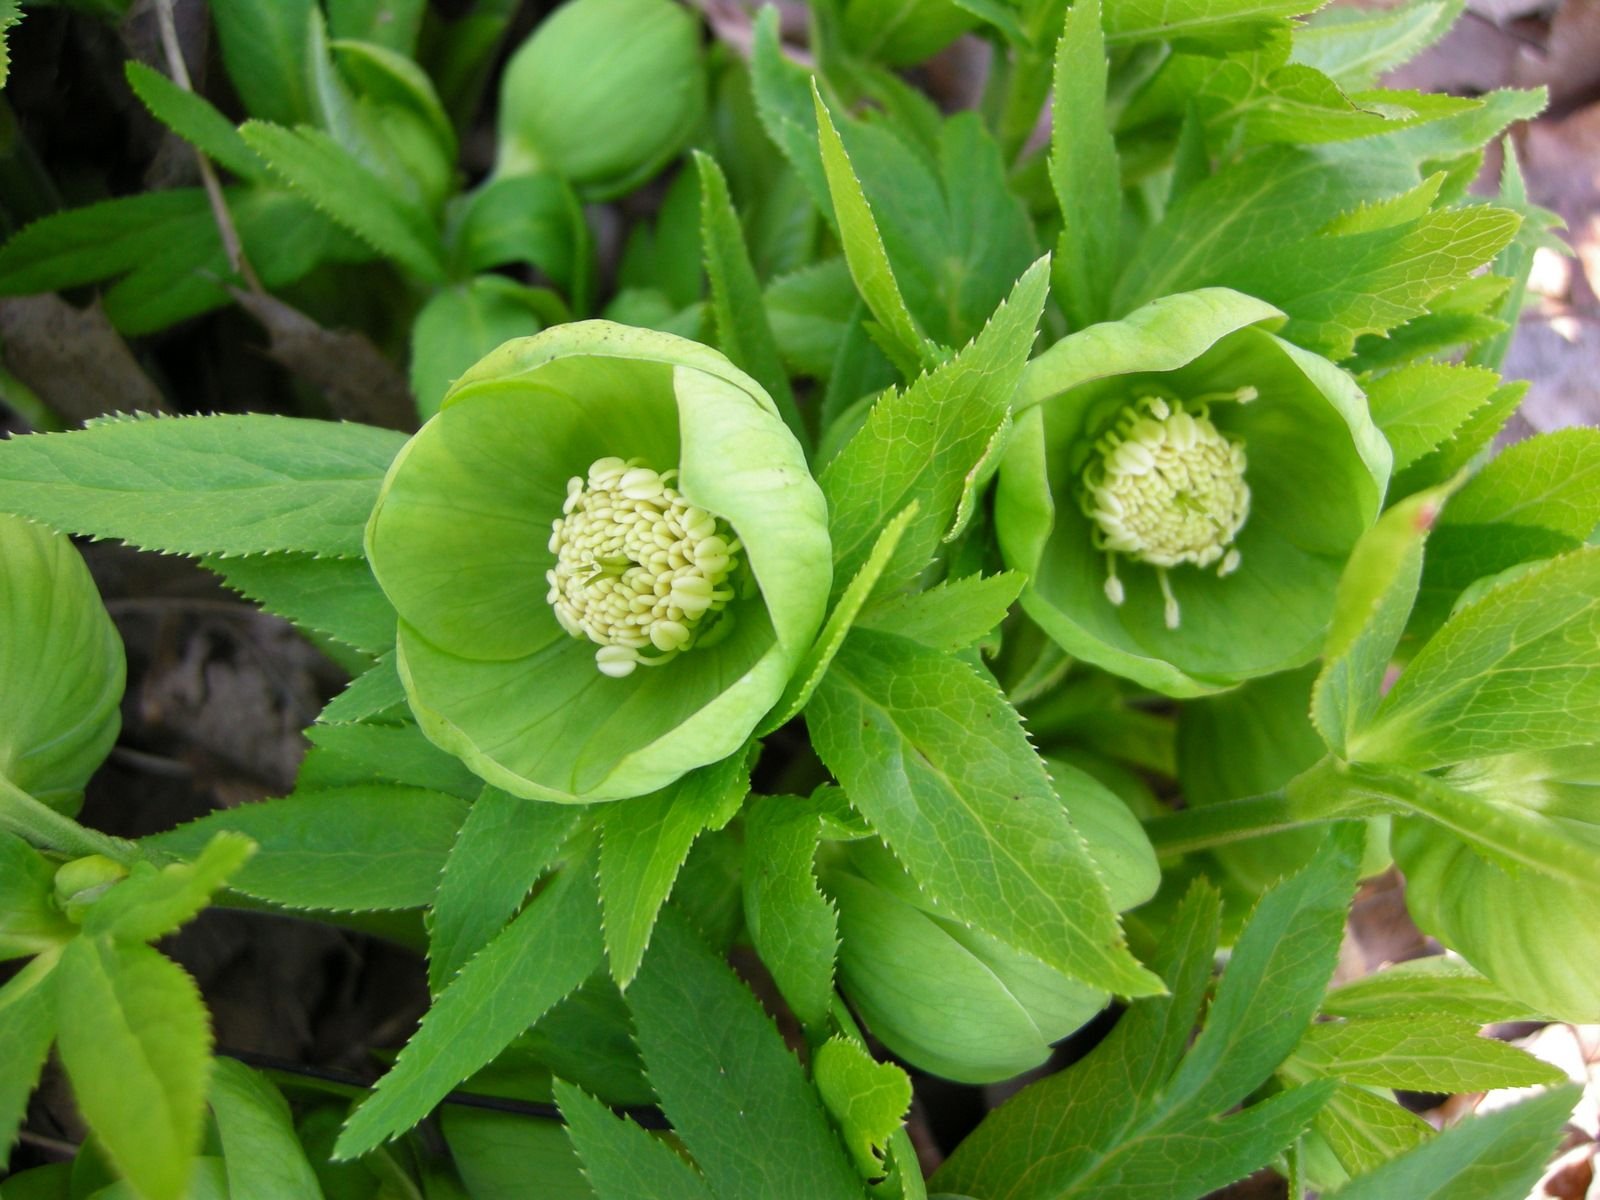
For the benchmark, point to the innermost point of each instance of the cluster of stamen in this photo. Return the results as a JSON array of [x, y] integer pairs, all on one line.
[[1164, 487], [638, 568]]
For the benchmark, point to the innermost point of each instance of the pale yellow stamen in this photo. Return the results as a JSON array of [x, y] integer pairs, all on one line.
[[638, 568]]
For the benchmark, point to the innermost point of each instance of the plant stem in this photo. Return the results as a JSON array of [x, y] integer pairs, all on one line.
[[46, 828]]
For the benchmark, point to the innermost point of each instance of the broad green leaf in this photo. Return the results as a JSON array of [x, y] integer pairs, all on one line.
[[783, 101], [1337, 288], [249, 484], [196, 120], [263, 46], [1438, 142], [1439, 1054], [370, 695], [1514, 671], [61, 665], [510, 1157], [152, 901], [868, 1100], [1440, 986], [459, 325], [643, 844], [840, 620], [362, 752], [732, 1090], [1354, 46], [1140, 1119], [351, 194], [31, 921], [1364, 1129], [936, 760], [97, 241], [951, 616], [1417, 407], [742, 329], [333, 596], [27, 1027], [264, 1158], [1494, 1157], [1375, 595], [503, 847], [393, 24], [1085, 172], [136, 1045], [551, 947], [622, 1161], [795, 928], [372, 846], [808, 311], [920, 444], [906, 343], [532, 219], [1224, 24], [1471, 439], [1551, 481]]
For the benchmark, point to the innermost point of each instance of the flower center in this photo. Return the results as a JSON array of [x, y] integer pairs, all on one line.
[[1164, 488], [638, 568]]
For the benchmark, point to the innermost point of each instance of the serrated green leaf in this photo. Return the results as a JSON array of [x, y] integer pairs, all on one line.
[[743, 332], [27, 1027], [920, 444], [533, 219], [622, 1161], [1432, 1053], [1471, 439], [937, 761], [1085, 172], [869, 263], [782, 90], [1494, 1157], [1140, 1120], [60, 723], [950, 616], [793, 926], [97, 241], [1514, 671], [250, 484], [264, 1158], [643, 844], [136, 1045], [1551, 481], [1447, 987], [369, 695], [354, 849], [868, 1100], [503, 847], [1419, 406], [552, 946], [1354, 47], [10, 14], [732, 1090], [196, 120], [348, 192], [152, 902], [1375, 595], [363, 752], [1364, 1130], [843, 615], [333, 596]]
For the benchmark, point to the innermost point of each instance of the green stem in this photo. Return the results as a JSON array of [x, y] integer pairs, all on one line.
[[46, 828]]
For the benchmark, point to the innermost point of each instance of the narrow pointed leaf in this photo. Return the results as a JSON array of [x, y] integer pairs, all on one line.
[[795, 929], [622, 1161]]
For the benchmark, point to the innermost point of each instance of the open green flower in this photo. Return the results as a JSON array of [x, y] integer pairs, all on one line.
[[607, 555], [1182, 490]]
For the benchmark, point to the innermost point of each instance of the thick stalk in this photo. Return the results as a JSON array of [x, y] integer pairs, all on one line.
[[42, 825]]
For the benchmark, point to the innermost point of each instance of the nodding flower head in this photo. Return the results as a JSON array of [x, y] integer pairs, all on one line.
[[1182, 489], [1165, 488], [637, 566], [588, 502]]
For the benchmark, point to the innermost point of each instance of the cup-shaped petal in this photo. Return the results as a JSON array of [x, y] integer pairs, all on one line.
[[1258, 601], [460, 541]]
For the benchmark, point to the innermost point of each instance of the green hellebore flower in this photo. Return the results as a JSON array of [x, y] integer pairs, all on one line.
[[950, 999], [603, 94], [1534, 935], [607, 555], [1182, 490]]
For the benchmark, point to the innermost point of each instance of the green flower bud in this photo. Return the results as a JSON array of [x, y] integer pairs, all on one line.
[[603, 94], [608, 557], [950, 999], [1534, 935], [79, 883], [1183, 489]]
